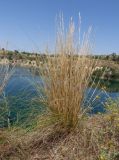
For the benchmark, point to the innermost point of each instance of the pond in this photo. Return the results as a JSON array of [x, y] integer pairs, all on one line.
[[20, 99]]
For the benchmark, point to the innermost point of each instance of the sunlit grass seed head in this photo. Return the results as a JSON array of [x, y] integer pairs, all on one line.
[[67, 75]]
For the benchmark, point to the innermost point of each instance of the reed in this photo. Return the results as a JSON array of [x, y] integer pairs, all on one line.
[[66, 75], [6, 71]]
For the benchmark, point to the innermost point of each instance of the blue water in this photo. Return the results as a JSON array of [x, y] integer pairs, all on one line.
[[22, 98], [96, 99]]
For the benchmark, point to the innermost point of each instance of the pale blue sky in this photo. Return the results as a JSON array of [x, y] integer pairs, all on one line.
[[30, 24]]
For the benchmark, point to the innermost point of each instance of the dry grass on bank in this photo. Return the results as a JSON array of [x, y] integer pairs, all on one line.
[[5, 74], [96, 138], [66, 76]]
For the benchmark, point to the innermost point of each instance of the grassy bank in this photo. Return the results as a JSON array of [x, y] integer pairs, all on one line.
[[96, 138]]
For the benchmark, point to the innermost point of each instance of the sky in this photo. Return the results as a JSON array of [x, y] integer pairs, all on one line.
[[30, 25]]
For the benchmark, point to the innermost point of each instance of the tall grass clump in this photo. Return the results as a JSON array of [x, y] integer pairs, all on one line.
[[6, 71], [66, 75], [4, 76]]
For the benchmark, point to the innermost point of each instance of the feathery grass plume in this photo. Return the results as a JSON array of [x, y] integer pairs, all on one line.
[[66, 75], [6, 70], [5, 74]]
